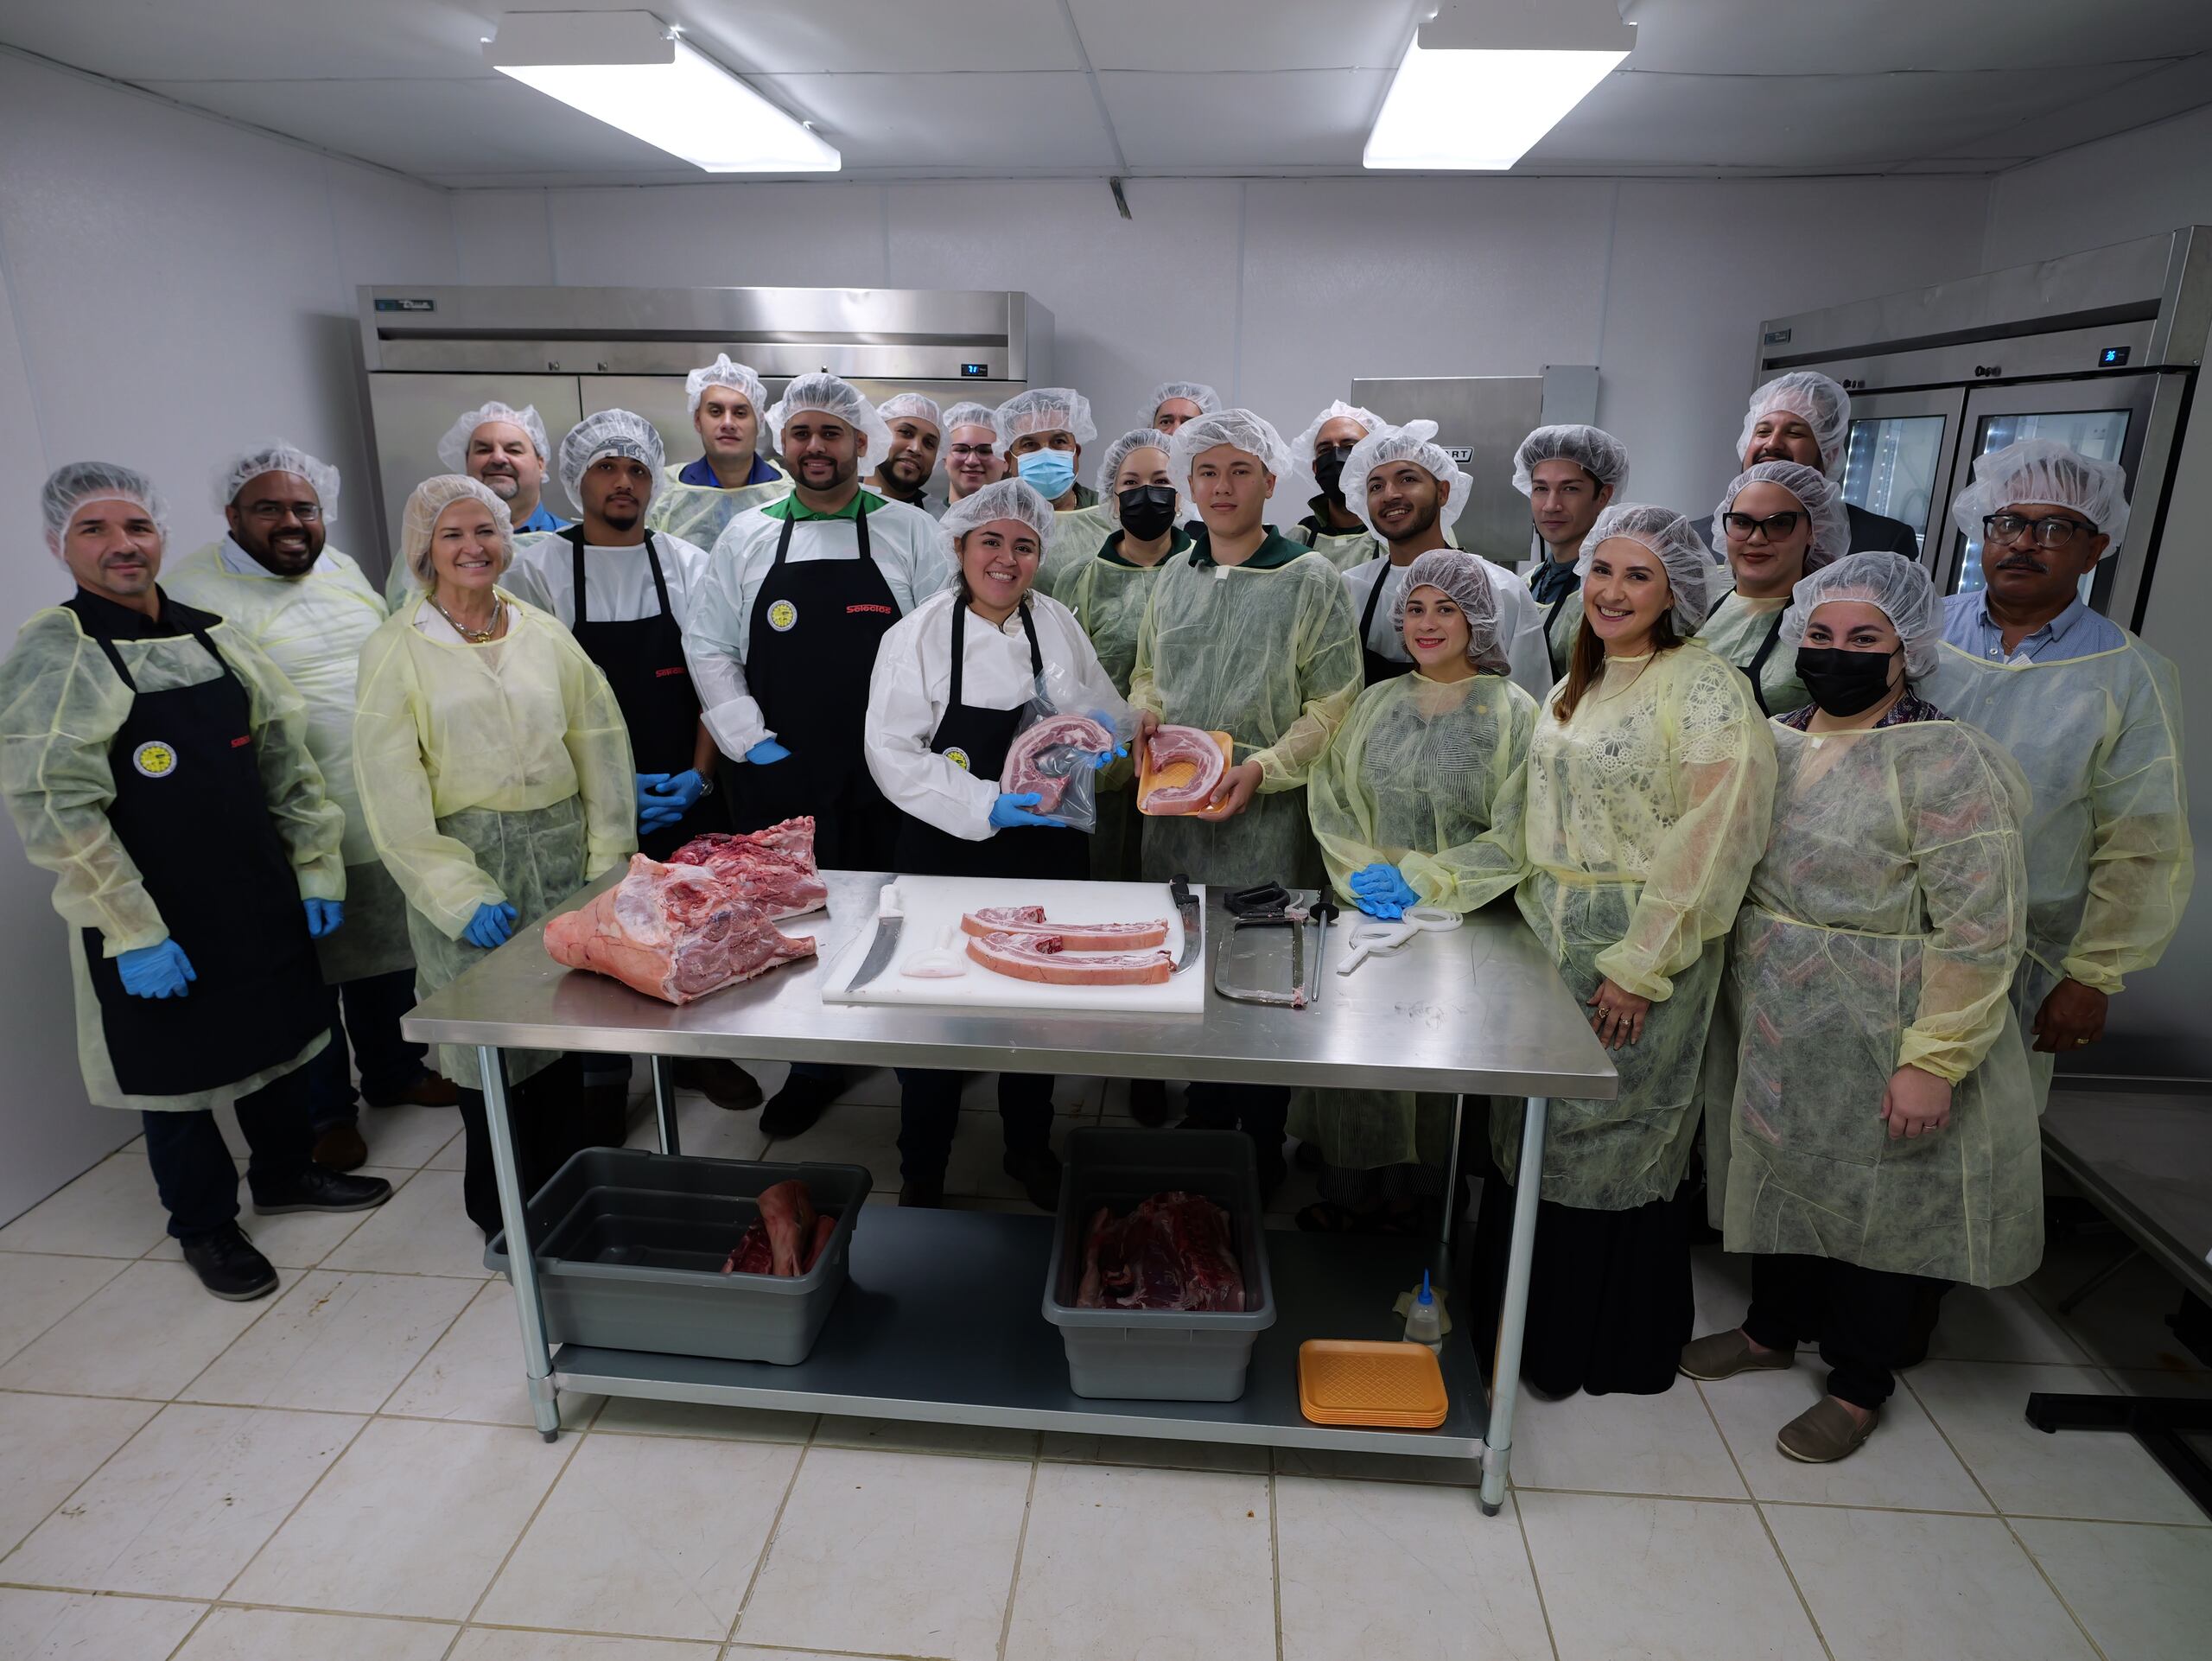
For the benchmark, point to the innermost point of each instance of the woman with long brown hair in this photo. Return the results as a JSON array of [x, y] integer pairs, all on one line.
[[1649, 781]]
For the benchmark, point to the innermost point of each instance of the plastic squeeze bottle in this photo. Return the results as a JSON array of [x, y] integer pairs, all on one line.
[[1424, 1323]]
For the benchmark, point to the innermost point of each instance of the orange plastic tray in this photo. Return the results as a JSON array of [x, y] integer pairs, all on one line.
[[1176, 773], [1397, 1386]]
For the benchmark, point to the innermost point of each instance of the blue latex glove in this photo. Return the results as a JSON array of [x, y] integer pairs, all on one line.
[[324, 917], [1105, 759], [765, 751], [492, 926], [1011, 810], [156, 971], [1383, 891], [673, 794], [647, 804]]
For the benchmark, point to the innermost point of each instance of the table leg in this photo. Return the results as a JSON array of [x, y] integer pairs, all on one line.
[[522, 1258], [1451, 1171], [1513, 1311], [664, 1103]]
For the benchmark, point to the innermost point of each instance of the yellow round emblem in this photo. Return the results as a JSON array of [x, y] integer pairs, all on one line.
[[781, 616], [153, 759], [958, 757]]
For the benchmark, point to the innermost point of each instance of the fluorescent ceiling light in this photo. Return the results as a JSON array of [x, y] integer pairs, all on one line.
[[1457, 105], [632, 70]]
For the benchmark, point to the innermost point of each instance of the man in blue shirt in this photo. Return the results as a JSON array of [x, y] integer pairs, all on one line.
[[2092, 716], [505, 449], [697, 502]]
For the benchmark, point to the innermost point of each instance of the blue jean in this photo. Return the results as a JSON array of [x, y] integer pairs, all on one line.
[[371, 1008], [193, 1171]]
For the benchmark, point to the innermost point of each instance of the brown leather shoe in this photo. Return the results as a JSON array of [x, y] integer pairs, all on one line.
[[1825, 1432], [720, 1081], [340, 1148], [1723, 1355]]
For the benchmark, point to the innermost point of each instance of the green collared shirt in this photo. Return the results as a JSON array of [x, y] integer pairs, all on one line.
[[1276, 552], [790, 507], [1110, 551]]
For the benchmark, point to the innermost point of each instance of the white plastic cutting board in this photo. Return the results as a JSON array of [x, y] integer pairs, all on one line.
[[935, 903]]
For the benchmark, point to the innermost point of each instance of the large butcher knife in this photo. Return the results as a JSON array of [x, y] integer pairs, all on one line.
[[889, 919], [1186, 908]]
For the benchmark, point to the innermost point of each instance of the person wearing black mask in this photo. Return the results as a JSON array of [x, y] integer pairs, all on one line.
[[1333, 530]]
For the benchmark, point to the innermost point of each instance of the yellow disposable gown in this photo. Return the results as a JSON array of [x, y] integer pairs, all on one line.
[[1108, 598], [1735, 632], [1078, 534], [698, 512]]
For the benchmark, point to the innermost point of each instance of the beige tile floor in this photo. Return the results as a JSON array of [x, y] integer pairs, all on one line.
[[347, 1472]]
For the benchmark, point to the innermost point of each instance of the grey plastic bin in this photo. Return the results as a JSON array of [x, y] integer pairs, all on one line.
[[1159, 1355], [631, 1245]]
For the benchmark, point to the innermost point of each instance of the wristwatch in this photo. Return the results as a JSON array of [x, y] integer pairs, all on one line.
[[706, 786]]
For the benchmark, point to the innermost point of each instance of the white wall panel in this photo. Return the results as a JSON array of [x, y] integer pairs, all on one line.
[[707, 236], [2151, 180]]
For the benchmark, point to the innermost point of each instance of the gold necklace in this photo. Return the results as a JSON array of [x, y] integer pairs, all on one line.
[[474, 636]]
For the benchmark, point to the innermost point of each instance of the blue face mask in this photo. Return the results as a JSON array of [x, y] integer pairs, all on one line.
[[1050, 473]]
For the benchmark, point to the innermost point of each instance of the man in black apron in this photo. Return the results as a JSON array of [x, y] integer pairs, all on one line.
[[1569, 471], [157, 762], [625, 591], [797, 596]]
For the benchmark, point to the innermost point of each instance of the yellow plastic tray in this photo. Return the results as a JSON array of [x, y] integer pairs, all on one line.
[[1395, 1386]]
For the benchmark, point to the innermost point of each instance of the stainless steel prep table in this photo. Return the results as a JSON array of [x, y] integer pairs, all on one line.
[[1478, 1011]]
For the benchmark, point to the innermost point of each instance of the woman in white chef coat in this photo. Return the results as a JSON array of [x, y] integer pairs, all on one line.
[[951, 680]]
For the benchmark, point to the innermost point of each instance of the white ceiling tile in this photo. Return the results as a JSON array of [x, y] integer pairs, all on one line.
[[1194, 123], [254, 40], [1245, 35], [2154, 96], [823, 36], [923, 122], [1863, 36]]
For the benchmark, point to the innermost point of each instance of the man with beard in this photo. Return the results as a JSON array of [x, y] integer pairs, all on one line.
[[696, 501], [626, 593], [1041, 434], [505, 449], [1805, 417], [783, 638], [1333, 529], [275, 580], [917, 427], [972, 456]]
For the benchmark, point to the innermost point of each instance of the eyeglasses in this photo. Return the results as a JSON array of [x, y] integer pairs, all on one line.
[[981, 451], [1772, 528], [2053, 532], [269, 512]]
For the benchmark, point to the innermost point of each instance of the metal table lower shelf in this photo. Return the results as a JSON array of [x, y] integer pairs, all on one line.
[[942, 1321], [1478, 1011]]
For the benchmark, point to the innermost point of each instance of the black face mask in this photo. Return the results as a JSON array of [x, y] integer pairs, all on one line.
[[1844, 682], [1148, 510], [1329, 470]]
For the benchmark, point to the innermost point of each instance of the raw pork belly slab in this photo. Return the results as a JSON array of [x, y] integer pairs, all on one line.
[[673, 931], [787, 1239], [1043, 957], [1170, 744], [773, 870], [1073, 937], [1172, 1252], [1031, 764]]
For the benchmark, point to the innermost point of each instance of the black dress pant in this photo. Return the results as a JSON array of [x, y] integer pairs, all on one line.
[[1865, 1318], [552, 1119], [193, 1171], [1260, 1112], [929, 1118]]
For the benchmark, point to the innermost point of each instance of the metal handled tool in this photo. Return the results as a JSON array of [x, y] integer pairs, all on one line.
[[1186, 908], [1251, 910], [890, 919]]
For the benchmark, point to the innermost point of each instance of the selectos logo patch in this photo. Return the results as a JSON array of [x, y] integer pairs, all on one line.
[[781, 616], [958, 757], [153, 759]]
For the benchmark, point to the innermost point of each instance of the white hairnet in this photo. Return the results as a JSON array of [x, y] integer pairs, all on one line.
[[970, 414], [1195, 392], [1896, 587], [277, 457], [1411, 442], [1593, 449], [721, 372], [1239, 428], [430, 499], [1459, 573], [1302, 446], [453, 449], [1823, 403], [1002, 498], [913, 406], [829, 395], [72, 484], [1137, 438], [2045, 470], [609, 432], [1819, 495], [1680, 550], [1044, 410]]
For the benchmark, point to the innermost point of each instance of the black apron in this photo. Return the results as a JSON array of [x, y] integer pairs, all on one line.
[[643, 661], [1378, 668], [984, 736], [1759, 657], [1552, 617], [810, 677], [190, 810]]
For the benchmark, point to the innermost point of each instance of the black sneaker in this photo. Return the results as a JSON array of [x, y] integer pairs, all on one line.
[[1038, 1170], [314, 1188], [722, 1082], [229, 1267], [793, 1110], [1148, 1102], [925, 1190]]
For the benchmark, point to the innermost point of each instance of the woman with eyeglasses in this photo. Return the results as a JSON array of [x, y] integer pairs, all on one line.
[[971, 451], [1780, 521]]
